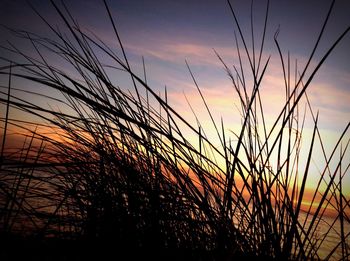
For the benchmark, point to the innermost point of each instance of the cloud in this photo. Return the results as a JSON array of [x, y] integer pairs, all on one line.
[[178, 52]]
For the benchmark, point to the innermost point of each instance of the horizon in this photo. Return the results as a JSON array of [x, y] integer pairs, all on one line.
[[172, 122], [167, 34]]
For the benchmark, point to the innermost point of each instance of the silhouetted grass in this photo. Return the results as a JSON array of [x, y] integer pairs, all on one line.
[[124, 179]]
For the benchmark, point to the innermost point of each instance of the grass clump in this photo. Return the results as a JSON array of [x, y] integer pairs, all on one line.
[[122, 178]]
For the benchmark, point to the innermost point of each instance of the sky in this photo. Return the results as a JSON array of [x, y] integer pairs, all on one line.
[[168, 33]]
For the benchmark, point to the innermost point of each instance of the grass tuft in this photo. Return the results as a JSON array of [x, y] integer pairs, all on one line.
[[114, 172]]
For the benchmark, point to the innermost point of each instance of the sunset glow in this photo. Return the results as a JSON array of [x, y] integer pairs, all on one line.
[[219, 130]]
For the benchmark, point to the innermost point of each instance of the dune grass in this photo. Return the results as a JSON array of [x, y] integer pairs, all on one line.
[[123, 177]]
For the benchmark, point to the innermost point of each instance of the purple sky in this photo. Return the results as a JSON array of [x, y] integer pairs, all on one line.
[[167, 32]]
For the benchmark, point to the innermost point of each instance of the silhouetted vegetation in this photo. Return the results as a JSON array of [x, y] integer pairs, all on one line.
[[116, 175]]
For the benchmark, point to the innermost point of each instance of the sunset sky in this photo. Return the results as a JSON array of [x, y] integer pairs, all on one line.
[[166, 33]]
